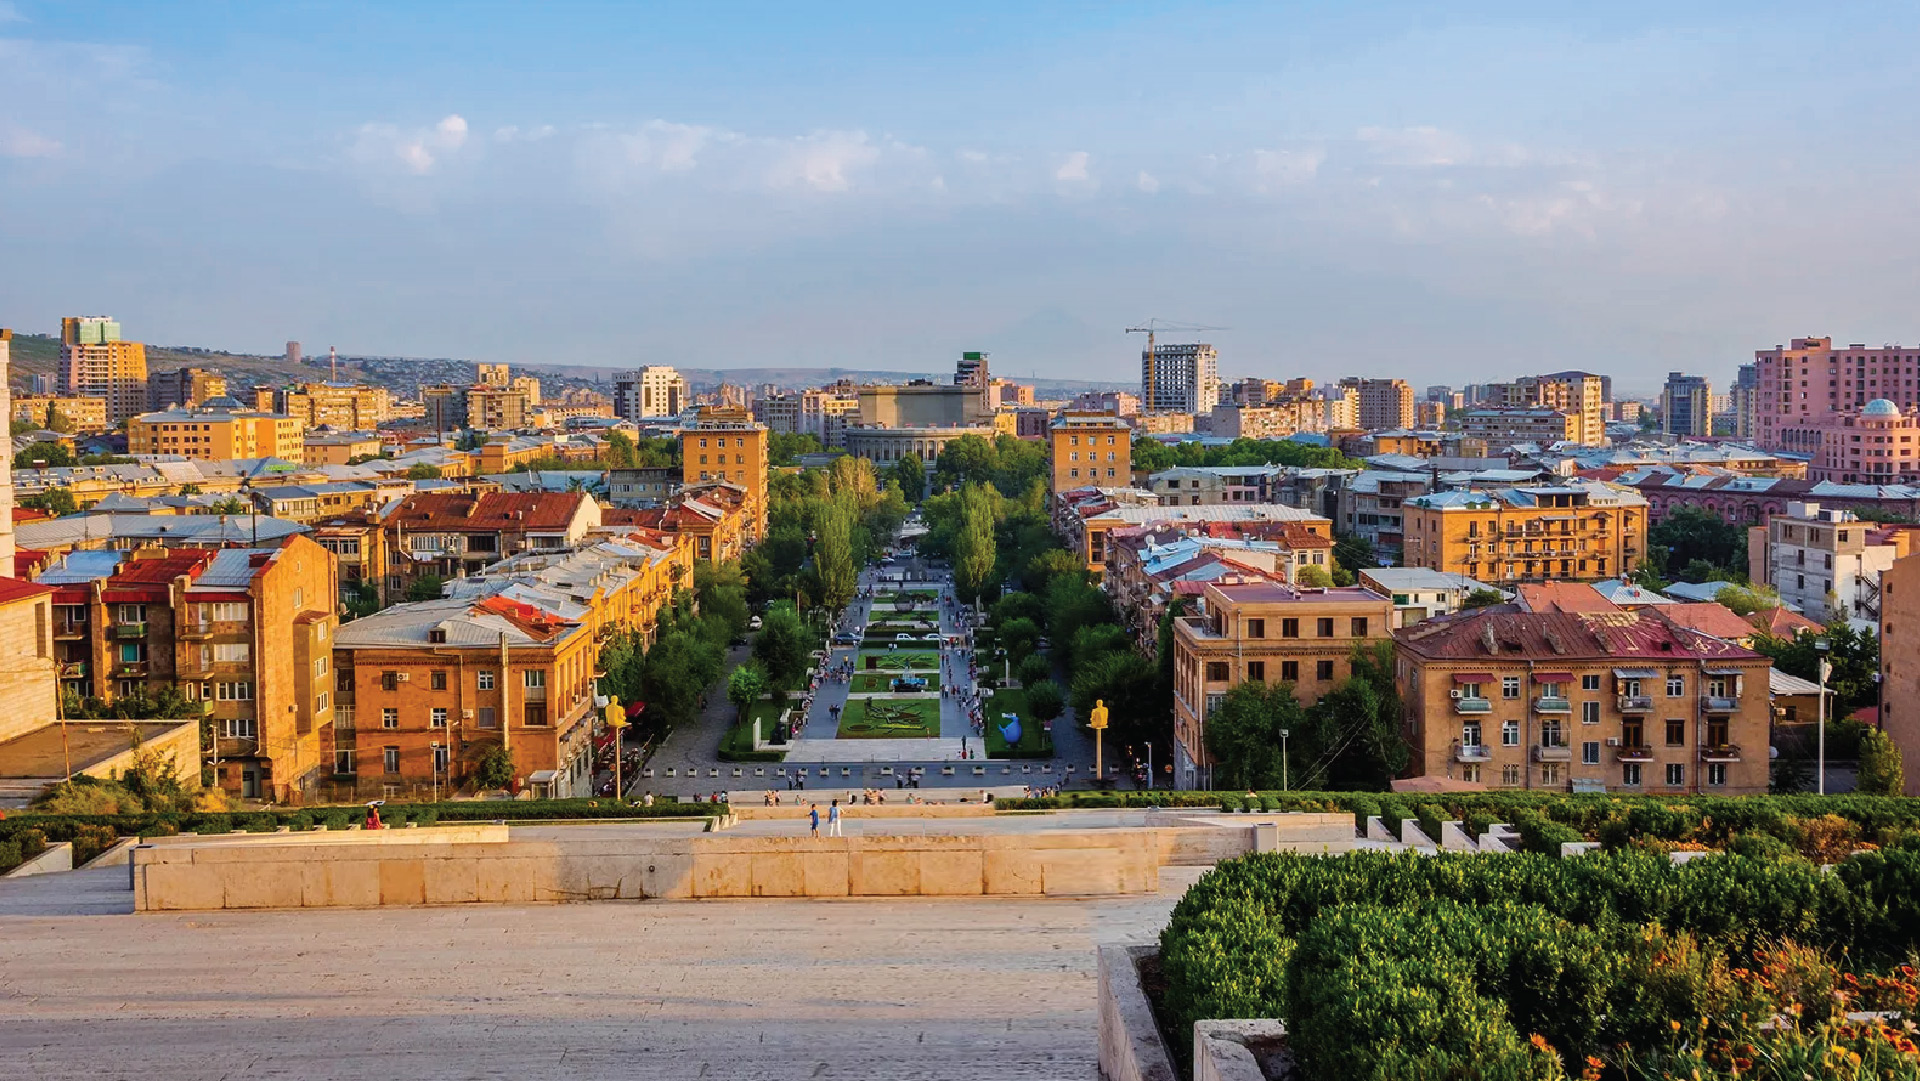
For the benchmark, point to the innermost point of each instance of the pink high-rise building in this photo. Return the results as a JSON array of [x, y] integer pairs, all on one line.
[[1810, 387], [1876, 446]]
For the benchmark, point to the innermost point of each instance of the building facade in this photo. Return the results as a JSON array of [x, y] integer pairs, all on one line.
[[1528, 534], [1382, 403], [217, 432], [726, 444], [95, 363], [652, 391], [1089, 449], [1686, 406], [1827, 562], [1180, 378], [1808, 383]]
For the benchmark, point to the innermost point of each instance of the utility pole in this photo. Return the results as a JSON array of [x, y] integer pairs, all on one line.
[[1821, 646]]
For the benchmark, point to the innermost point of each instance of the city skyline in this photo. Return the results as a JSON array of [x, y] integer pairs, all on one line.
[[764, 187]]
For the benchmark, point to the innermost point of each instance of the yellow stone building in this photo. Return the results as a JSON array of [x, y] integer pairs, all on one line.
[[1577, 530], [217, 433], [1090, 450], [727, 444]]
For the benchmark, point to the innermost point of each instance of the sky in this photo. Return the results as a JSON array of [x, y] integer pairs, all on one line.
[[1443, 193]]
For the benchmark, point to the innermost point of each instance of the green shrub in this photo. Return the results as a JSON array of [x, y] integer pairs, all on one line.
[[33, 843], [1760, 846], [339, 820], [259, 823], [214, 824], [427, 816], [9, 855], [300, 821]]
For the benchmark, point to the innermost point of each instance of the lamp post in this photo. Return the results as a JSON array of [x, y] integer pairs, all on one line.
[[433, 748], [1284, 786], [1821, 646]]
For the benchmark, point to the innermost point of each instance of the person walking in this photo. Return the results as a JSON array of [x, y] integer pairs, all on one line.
[[833, 819], [813, 815]]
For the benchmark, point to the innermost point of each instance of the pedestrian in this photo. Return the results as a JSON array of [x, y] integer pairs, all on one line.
[[813, 815], [833, 819]]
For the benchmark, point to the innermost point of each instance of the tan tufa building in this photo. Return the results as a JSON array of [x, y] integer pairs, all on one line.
[[726, 444], [1088, 450], [95, 363], [1535, 533], [84, 415], [217, 432]]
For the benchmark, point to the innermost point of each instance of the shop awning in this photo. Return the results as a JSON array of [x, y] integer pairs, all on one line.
[[1553, 677], [1636, 673]]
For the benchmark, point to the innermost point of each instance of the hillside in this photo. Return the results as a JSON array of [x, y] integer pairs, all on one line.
[[40, 354]]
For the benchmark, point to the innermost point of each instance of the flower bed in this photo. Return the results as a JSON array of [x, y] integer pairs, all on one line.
[[890, 718], [899, 660], [1622, 964]]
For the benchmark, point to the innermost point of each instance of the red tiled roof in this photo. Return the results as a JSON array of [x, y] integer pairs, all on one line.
[[178, 561], [462, 512], [1707, 617], [1560, 636], [1780, 623], [533, 621], [27, 561], [1563, 597], [29, 514], [13, 589]]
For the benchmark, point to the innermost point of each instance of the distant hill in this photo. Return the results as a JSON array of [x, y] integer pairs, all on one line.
[[40, 354]]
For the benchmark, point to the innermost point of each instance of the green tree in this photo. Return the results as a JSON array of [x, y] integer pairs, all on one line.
[[359, 598], [1354, 553], [1243, 735], [1746, 600], [423, 471], [833, 555], [1046, 700], [782, 647], [1313, 577], [427, 587], [911, 471], [1032, 668], [1150, 455], [745, 686], [1692, 534], [969, 459], [1020, 638], [1125, 682], [1855, 656], [55, 455], [721, 591], [22, 427], [1042, 569], [56, 420], [1481, 598], [785, 448], [974, 543], [55, 501], [1359, 725], [620, 452], [1880, 771], [495, 768], [232, 504]]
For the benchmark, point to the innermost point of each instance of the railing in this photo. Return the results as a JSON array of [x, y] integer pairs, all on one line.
[[1636, 703], [1471, 752], [73, 670], [1714, 703], [196, 630], [1552, 703], [130, 630], [130, 668], [1636, 752], [1472, 705], [1725, 752], [67, 628], [1552, 752]]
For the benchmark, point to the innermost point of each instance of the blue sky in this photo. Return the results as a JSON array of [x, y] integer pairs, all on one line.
[[1395, 189]]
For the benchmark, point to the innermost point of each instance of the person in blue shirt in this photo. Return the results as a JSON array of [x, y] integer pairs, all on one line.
[[833, 819], [814, 815]]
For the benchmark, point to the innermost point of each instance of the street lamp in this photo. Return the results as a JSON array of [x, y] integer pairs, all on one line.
[[433, 748], [1821, 646], [1284, 786]]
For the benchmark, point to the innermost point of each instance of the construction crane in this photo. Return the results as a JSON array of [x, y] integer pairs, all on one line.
[[1156, 326]]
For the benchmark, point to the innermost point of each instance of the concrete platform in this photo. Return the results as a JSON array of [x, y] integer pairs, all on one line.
[[903, 751]]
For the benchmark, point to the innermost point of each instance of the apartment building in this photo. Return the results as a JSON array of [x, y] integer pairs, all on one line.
[[1196, 485], [1878, 445], [1900, 663], [1576, 530], [1420, 594], [183, 387], [1085, 449], [96, 363], [327, 446], [344, 406], [83, 415], [653, 391], [1263, 632], [726, 444], [218, 429], [246, 631], [1383, 403], [1686, 406], [30, 673], [1597, 702], [1273, 418], [359, 547], [1582, 396], [494, 408], [449, 534], [619, 583], [1182, 378], [1504, 427], [425, 689], [1084, 519], [1826, 562], [1370, 505], [713, 515], [1801, 387]]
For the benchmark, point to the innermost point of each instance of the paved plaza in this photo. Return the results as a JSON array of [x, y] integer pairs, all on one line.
[[975, 990]]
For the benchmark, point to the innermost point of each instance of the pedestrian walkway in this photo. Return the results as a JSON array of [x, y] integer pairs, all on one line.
[[879, 750]]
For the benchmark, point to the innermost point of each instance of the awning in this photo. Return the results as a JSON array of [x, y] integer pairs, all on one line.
[[1636, 673], [1553, 677], [1726, 671], [1473, 677]]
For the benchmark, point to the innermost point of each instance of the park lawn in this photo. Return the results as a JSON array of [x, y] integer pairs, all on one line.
[[1034, 743], [890, 718], [899, 660], [737, 744], [882, 683]]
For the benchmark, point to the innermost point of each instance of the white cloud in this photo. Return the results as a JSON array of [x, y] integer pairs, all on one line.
[[1074, 168], [19, 142], [975, 156], [513, 133], [1147, 183], [823, 160], [1419, 146], [1280, 168], [669, 147], [417, 151]]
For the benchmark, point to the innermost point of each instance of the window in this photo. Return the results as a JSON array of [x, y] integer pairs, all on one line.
[[1323, 670], [389, 717], [132, 613], [1323, 628], [1716, 774], [343, 761], [1257, 671], [1550, 734], [1357, 626], [241, 728], [390, 759], [1289, 671], [535, 678], [486, 717], [1509, 733], [232, 652], [1470, 734], [437, 681], [1590, 683], [1550, 774], [536, 714], [1290, 628], [233, 692], [1510, 776], [1676, 732], [440, 758], [1676, 775], [133, 652], [1510, 687], [1676, 686], [1256, 628], [1630, 774], [1589, 713], [1217, 672], [1470, 773], [225, 612], [439, 717], [389, 681], [484, 680], [320, 702]]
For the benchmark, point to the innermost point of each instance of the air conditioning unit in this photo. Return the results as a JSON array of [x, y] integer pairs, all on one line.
[[1613, 741], [402, 677], [466, 715], [1458, 693]]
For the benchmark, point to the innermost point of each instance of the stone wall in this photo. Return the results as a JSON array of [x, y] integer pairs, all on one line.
[[402, 869]]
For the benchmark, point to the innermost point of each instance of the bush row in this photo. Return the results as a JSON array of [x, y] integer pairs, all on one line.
[[1398, 965]]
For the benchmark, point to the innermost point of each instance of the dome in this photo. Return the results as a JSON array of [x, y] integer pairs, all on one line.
[[1880, 407]]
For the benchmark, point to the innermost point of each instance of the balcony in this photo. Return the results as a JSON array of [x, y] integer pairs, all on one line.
[[130, 630], [1550, 703], [1471, 752], [1472, 705], [1636, 703], [1714, 703], [70, 629], [1552, 752], [130, 668], [196, 630], [1634, 752], [1725, 752], [73, 670]]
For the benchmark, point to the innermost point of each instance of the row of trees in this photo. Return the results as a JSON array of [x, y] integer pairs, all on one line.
[[1350, 738], [689, 650], [1154, 456], [823, 526]]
